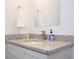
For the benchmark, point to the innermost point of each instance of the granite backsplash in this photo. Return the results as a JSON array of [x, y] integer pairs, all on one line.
[[38, 36]]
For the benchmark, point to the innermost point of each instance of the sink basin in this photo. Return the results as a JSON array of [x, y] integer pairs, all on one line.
[[35, 43], [42, 44]]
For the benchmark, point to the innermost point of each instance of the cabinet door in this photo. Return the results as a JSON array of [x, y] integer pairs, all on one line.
[[29, 54], [6, 51], [17, 52], [14, 52], [72, 53], [11, 56], [64, 53]]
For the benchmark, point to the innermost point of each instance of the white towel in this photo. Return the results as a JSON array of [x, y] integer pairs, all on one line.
[[39, 19], [20, 18]]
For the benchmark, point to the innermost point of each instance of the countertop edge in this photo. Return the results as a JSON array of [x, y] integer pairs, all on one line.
[[38, 50]]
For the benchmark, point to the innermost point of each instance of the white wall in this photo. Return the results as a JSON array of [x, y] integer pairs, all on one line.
[[11, 15], [66, 26]]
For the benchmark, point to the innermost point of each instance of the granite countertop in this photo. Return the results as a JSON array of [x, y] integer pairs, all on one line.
[[41, 46]]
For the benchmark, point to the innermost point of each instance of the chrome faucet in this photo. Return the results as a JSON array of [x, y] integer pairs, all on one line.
[[43, 35]]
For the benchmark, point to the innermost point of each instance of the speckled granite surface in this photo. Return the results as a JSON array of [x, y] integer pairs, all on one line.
[[45, 46], [38, 36]]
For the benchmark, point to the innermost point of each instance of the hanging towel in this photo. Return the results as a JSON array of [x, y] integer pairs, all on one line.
[[20, 17], [39, 18]]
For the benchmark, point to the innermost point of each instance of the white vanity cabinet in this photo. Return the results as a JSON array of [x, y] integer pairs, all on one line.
[[16, 52], [29, 54]]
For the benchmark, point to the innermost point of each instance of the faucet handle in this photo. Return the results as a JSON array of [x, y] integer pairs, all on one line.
[[43, 32]]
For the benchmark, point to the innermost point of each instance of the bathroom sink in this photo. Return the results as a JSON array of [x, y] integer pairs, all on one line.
[[41, 44], [45, 45], [32, 43]]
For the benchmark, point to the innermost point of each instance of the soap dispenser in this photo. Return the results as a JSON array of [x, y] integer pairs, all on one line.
[[51, 36]]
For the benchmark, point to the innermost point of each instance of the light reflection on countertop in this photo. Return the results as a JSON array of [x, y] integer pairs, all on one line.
[[43, 46]]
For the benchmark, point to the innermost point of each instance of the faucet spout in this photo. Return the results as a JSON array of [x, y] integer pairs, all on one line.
[[43, 35]]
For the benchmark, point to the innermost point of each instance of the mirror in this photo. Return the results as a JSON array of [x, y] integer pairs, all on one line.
[[47, 13]]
